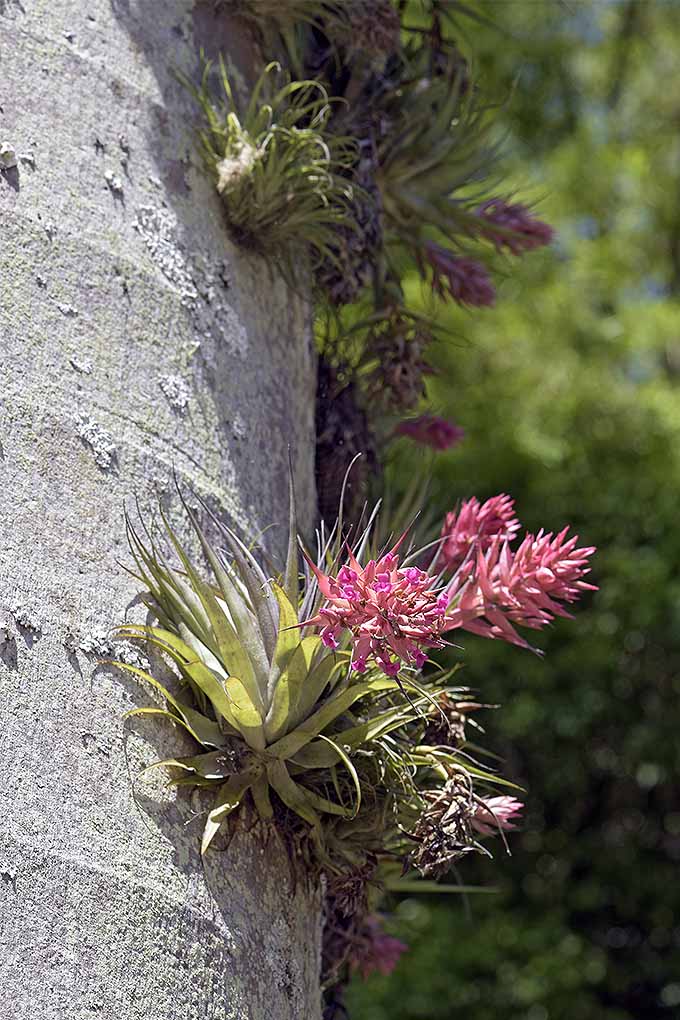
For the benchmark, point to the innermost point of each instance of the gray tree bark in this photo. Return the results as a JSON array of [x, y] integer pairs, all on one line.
[[134, 340]]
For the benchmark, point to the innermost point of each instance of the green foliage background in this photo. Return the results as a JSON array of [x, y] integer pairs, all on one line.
[[569, 394]]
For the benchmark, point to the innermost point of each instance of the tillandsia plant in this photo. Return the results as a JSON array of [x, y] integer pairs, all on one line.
[[376, 161], [276, 168], [313, 701]]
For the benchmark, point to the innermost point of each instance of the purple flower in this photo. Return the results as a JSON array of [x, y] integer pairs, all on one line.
[[519, 230], [453, 276], [430, 430], [374, 951]]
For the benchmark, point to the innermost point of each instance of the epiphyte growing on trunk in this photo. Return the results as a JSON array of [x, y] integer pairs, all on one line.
[[281, 176]]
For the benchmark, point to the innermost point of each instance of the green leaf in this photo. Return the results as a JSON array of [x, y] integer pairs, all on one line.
[[176, 763], [376, 727], [228, 798], [287, 640], [322, 804], [201, 651], [292, 795], [318, 680], [257, 585], [350, 768], [289, 745], [189, 662], [207, 733], [260, 794], [212, 765], [291, 575], [246, 717], [240, 644], [318, 754], [289, 687], [143, 675], [203, 730]]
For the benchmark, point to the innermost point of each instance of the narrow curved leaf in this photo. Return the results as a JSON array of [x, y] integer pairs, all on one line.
[[255, 581], [211, 765], [292, 795], [228, 798], [344, 757], [287, 639], [174, 719], [189, 663], [290, 577]]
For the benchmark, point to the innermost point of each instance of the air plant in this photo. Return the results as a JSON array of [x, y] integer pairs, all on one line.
[[312, 698], [437, 147], [299, 697], [381, 352], [281, 175]]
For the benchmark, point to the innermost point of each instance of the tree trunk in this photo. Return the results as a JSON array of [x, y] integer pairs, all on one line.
[[135, 339]]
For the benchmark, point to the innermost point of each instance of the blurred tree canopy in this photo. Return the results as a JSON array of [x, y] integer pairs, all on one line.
[[568, 391]]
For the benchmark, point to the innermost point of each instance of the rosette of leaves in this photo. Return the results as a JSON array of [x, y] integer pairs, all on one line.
[[281, 175], [436, 152], [279, 719]]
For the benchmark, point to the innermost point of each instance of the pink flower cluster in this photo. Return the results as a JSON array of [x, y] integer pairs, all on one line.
[[496, 813], [463, 279], [501, 588], [430, 430], [374, 951], [474, 526], [524, 231], [392, 614]]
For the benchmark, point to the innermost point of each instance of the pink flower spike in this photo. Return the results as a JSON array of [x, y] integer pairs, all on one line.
[[496, 813], [524, 231], [431, 430], [374, 951], [474, 526], [464, 280], [522, 588]]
